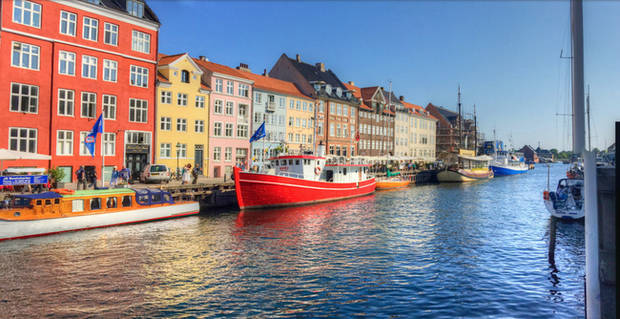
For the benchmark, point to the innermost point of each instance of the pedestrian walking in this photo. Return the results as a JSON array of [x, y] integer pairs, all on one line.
[[81, 177], [186, 174], [195, 173], [114, 178]]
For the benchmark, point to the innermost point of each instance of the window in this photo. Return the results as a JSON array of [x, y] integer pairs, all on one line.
[[338, 109], [66, 63], [26, 12], [218, 107], [24, 98], [110, 34], [140, 41], [217, 129], [345, 131], [165, 123], [321, 106], [291, 105], [297, 138], [77, 205], [64, 142], [229, 88], [199, 126], [290, 137], [229, 108], [89, 104], [219, 85], [182, 99], [338, 132], [164, 150], [257, 116], [135, 8], [332, 108], [303, 123], [310, 107], [297, 122], [298, 105], [200, 101], [111, 202], [182, 150], [244, 90], [243, 111], [242, 130], [23, 139], [126, 201], [166, 97], [109, 144], [217, 153], [89, 67], [331, 129], [319, 130], [83, 150], [257, 97], [181, 125], [185, 76], [228, 154], [25, 56], [65, 102], [109, 70], [305, 106], [229, 130], [345, 110], [89, 29], [109, 107], [138, 110], [139, 76], [67, 23]]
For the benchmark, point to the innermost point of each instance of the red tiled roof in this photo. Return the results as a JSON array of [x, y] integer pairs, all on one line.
[[417, 109], [266, 83], [163, 59], [357, 92], [219, 68], [368, 92], [162, 78]]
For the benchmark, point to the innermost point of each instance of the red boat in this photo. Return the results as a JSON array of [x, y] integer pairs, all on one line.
[[290, 180]]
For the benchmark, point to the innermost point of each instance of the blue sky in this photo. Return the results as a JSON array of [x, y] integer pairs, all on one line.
[[505, 55]]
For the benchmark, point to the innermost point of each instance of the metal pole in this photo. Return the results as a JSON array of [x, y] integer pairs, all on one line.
[[588, 112], [102, 149], [577, 76]]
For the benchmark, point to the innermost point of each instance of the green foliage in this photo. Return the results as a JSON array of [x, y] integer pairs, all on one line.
[[56, 174]]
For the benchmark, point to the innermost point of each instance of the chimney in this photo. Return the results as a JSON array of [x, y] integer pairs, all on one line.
[[298, 58], [401, 98], [203, 58], [265, 74], [321, 66], [243, 67], [351, 83]]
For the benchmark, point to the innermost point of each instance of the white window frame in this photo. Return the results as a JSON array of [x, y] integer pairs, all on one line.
[[220, 107], [139, 111], [108, 144], [219, 85], [199, 126], [166, 97], [68, 58], [165, 150], [230, 108], [218, 126], [200, 101], [112, 29], [64, 144], [28, 139], [110, 70], [108, 106], [139, 76], [91, 104], [165, 123], [70, 22], [217, 153], [228, 154], [20, 98], [230, 87], [34, 12], [140, 42], [181, 125], [244, 90], [89, 69], [25, 52], [66, 102], [229, 127], [181, 99], [90, 26], [242, 130]]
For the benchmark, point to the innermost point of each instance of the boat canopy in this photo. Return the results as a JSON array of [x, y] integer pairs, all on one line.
[[146, 196], [476, 158], [45, 195]]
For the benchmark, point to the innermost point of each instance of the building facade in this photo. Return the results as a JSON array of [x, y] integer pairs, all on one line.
[[230, 110], [182, 132], [422, 133], [63, 64], [336, 107]]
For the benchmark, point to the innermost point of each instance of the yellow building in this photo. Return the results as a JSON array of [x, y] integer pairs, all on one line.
[[299, 124], [182, 113]]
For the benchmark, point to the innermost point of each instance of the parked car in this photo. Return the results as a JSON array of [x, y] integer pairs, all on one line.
[[155, 173]]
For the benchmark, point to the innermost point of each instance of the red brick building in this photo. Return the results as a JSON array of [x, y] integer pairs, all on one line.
[[64, 63]]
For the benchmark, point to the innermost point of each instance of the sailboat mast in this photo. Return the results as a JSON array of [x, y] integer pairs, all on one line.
[[588, 113], [577, 76], [459, 124], [475, 132]]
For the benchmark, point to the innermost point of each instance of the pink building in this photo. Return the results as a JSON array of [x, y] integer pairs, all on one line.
[[229, 117]]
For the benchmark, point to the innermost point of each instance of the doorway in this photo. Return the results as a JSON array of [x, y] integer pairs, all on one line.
[[198, 156]]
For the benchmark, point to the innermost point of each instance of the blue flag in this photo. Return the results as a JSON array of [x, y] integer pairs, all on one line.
[[91, 138], [260, 133]]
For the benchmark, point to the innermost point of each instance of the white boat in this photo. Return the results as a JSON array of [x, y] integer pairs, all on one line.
[[505, 163], [567, 201]]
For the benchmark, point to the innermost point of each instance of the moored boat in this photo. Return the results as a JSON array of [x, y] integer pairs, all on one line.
[[567, 201], [65, 210], [468, 169], [290, 180], [505, 164], [392, 183]]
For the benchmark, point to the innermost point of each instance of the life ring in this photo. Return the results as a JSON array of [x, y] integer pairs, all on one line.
[[317, 170], [64, 191]]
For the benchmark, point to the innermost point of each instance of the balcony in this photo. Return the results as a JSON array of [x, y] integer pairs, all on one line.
[[271, 106]]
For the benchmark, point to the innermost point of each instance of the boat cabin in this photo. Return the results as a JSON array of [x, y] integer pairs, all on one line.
[[474, 162], [315, 168]]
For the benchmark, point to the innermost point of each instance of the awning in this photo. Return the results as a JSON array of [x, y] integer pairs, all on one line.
[[9, 155]]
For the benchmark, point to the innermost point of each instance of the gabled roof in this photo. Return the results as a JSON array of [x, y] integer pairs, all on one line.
[[267, 83], [312, 73], [219, 68], [393, 98], [449, 115], [357, 93], [171, 60], [416, 109], [121, 5]]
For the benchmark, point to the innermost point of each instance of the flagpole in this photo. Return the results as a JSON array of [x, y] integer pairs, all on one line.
[[102, 155]]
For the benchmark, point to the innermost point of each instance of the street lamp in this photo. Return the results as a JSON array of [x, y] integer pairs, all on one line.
[[178, 153]]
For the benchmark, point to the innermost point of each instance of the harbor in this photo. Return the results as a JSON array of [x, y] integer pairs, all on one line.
[[440, 250]]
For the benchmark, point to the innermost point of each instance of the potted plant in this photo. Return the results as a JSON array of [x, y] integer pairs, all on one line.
[[55, 175]]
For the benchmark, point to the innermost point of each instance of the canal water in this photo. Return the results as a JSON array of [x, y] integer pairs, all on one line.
[[436, 251]]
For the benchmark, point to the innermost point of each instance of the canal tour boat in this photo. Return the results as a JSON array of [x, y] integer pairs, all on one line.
[[392, 183], [468, 169], [505, 164], [59, 211], [290, 180]]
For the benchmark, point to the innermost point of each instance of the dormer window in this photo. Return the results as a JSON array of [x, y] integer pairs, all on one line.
[[338, 92], [328, 89], [185, 76], [135, 8]]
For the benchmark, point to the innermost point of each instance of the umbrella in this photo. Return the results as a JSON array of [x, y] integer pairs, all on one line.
[[9, 155]]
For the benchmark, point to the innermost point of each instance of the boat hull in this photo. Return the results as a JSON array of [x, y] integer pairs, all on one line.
[[41, 227], [507, 170], [256, 190], [564, 213], [460, 176], [381, 185]]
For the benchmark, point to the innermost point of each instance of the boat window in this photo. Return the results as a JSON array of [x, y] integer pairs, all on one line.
[[344, 171], [168, 198], [283, 162], [95, 203], [156, 198], [296, 162], [126, 201], [56, 201], [329, 175], [111, 202], [275, 163], [142, 199], [48, 202], [290, 162], [77, 205], [39, 202]]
